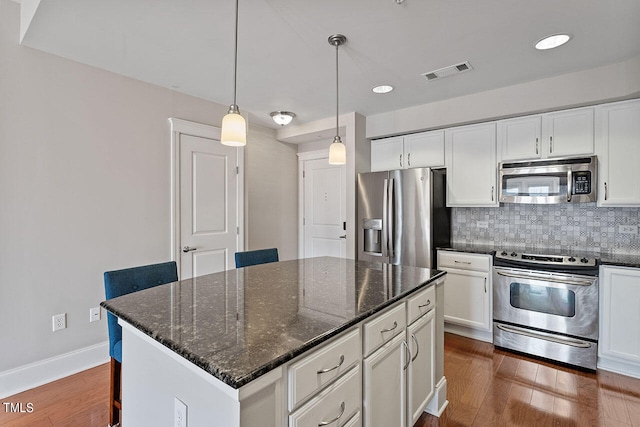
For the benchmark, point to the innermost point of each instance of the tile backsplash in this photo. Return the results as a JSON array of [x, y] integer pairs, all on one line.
[[568, 228]]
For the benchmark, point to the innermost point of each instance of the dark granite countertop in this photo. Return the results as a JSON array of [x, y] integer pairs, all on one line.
[[239, 324], [621, 260]]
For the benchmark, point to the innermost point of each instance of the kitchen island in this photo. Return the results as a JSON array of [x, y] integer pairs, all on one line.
[[290, 343]]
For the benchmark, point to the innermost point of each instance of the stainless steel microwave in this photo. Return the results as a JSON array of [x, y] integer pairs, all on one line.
[[562, 180]]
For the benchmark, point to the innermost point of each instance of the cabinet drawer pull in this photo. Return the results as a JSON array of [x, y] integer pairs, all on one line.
[[324, 371], [462, 262], [550, 144], [485, 285], [537, 151], [425, 305], [326, 423], [395, 325], [606, 192]]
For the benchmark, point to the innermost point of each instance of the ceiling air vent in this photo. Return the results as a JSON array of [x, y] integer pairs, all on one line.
[[448, 71]]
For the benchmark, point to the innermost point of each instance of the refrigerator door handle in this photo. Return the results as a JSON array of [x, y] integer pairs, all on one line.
[[385, 219], [391, 219]]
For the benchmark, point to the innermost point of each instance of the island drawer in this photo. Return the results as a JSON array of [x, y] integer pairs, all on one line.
[[421, 303], [337, 403], [463, 261], [384, 327], [310, 374]]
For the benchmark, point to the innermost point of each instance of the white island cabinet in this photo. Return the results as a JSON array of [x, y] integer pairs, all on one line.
[[237, 356], [619, 346]]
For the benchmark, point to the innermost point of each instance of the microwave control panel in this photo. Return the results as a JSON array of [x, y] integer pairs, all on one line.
[[581, 182]]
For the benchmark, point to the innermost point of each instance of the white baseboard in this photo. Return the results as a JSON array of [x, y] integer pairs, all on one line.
[[469, 332], [621, 367], [44, 371]]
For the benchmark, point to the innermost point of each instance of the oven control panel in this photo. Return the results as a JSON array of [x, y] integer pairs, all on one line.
[[570, 260]]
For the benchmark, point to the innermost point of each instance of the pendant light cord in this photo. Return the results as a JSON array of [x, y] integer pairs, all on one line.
[[235, 60], [337, 92]]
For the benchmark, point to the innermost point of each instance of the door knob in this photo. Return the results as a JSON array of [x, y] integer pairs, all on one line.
[[188, 249], [343, 237]]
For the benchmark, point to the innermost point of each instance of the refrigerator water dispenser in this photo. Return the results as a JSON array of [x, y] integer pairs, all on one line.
[[372, 235]]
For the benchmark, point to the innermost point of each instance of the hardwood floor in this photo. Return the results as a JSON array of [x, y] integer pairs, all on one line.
[[491, 387], [485, 387]]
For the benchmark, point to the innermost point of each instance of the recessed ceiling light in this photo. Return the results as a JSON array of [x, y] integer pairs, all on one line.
[[552, 41], [382, 89]]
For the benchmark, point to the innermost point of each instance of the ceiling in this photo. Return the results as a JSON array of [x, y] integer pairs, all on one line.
[[286, 63]]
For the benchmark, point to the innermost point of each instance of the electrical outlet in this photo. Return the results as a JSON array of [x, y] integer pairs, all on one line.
[[628, 229], [94, 314], [482, 224], [179, 413], [59, 321]]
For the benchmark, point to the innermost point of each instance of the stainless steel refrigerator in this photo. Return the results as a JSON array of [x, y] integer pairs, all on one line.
[[402, 216]]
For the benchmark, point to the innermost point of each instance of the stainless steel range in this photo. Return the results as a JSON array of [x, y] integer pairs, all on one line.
[[547, 306]]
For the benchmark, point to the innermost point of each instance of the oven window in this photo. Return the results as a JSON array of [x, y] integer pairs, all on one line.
[[554, 184], [561, 302]]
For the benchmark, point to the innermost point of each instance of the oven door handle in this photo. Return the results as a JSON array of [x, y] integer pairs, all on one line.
[[568, 281], [547, 337]]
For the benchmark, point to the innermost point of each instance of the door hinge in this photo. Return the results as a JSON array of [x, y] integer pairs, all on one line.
[[237, 170], [237, 316], [304, 221], [237, 230], [303, 174]]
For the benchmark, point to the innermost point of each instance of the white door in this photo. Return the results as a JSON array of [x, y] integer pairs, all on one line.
[[324, 209], [207, 209]]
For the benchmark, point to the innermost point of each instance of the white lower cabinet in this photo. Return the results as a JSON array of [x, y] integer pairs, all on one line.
[[619, 344], [421, 369], [385, 385], [468, 294]]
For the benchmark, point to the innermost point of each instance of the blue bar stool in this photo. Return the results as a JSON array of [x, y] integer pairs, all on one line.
[[260, 256], [122, 282]]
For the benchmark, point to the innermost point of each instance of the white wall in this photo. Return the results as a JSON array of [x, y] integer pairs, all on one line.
[[85, 188], [271, 187]]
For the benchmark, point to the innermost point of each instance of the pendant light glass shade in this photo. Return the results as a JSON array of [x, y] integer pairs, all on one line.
[[234, 130], [337, 152], [234, 127]]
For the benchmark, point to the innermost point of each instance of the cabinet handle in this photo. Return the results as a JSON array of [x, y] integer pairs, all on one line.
[[326, 423], [324, 371], [537, 150], [606, 191], [395, 325], [400, 160], [485, 285], [409, 159], [406, 365], [551, 144], [425, 305], [462, 262], [492, 190], [415, 356]]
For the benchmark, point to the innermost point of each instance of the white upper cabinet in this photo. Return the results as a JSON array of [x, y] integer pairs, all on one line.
[[558, 134], [618, 151], [420, 150], [471, 165]]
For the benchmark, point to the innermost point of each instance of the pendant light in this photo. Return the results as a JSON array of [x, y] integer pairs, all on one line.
[[234, 127], [337, 150]]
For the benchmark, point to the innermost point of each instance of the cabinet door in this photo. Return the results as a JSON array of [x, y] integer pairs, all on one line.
[[467, 299], [620, 316], [519, 139], [569, 132], [420, 373], [385, 385], [471, 165], [618, 150], [387, 154], [424, 150]]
